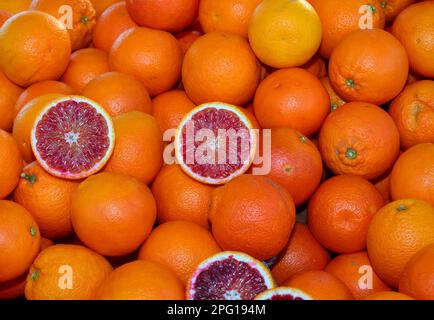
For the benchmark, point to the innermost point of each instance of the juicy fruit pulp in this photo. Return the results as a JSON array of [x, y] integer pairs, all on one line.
[[283, 293], [72, 137], [229, 276]]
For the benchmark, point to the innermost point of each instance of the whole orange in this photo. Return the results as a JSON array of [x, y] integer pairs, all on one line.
[[139, 146], [413, 113], [359, 138], [141, 280], [47, 198], [80, 25], [292, 98], [394, 7], [180, 197], [84, 66], [112, 213], [302, 253], [369, 66], [9, 93], [179, 245], [66, 272], [212, 70], [153, 56], [19, 242], [168, 15], [34, 46], [252, 214], [388, 295], [227, 15], [340, 212], [413, 174], [414, 29], [11, 164], [396, 233], [335, 100], [110, 25]]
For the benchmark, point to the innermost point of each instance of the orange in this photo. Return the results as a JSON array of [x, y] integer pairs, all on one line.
[[392, 8], [227, 15], [335, 100], [141, 280], [179, 245], [110, 25], [359, 138], [413, 174], [11, 164], [355, 270], [34, 46], [369, 66], [118, 93], [340, 18], [153, 56], [252, 214], [383, 185], [417, 280], [292, 98], [413, 113], [180, 197], [414, 29], [388, 295], [284, 33], [112, 213], [15, 6], [48, 199], [9, 93], [4, 15], [42, 88], [170, 107], [66, 272], [24, 123], [84, 66], [80, 25], [168, 15], [302, 253], [320, 285], [187, 38], [316, 66], [101, 5], [139, 146], [340, 212], [396, 233], [212, 70], [296, 163], [19, 242]]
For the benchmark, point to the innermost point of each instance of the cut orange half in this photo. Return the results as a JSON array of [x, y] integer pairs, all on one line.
[[283, 293], [215, 143], [72, 137]]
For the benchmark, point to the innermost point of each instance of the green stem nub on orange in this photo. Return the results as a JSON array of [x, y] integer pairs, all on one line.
[[350, 83], [372, 8], [383, 4], [351, 154], [32, 231], [36, 275], [334, 106], [303, 139], [29, 177], [401, 207], [84, 19]]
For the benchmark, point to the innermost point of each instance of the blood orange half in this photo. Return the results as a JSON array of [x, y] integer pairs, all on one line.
[[229, 275], [283, 293], [72, 137], [215, 143]]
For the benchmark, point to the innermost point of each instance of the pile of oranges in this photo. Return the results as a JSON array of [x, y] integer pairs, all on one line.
[[346, 210]]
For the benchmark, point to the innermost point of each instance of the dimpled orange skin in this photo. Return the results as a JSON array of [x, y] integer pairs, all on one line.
[[413, 174], [359, 138], [181, 246], [396, 233], [88, 268], [292, 98], [11, 164], [369, 66], [340, 18], [139, 146], [101, 5], [112, 213], [180, 197], [388, 295], [414, 28], [83, 18], [34, 46], [212, 70], [413, 113], [20, 240], [252, 214], [47, 198], [302, 253], [340, 211], [141, 280], [9, 93], [151, 55], [351, 269]]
